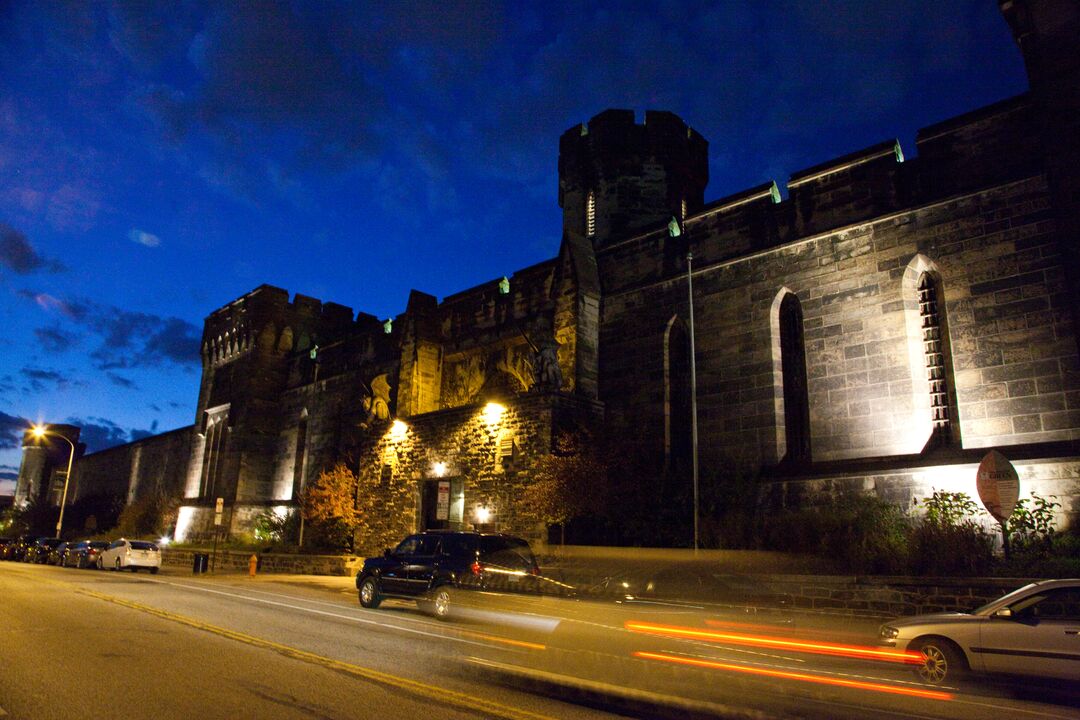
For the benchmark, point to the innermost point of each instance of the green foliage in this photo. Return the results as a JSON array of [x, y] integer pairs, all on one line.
[[274, 528], [945, 509], [862, 532], [950, 540], [151, 515], [1031, 529]]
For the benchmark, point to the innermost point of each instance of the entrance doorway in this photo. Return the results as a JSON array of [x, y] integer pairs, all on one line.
[[442, 504]]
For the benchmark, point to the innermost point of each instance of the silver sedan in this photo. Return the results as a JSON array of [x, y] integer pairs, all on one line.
[[1033, 631]]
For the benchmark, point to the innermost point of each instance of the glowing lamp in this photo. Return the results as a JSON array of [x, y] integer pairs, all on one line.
[[439, 469], [483, 514], [493, 412], [398, 430]]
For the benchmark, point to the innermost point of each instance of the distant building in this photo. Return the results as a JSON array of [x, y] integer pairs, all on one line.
[[44, 465], [881, 328]]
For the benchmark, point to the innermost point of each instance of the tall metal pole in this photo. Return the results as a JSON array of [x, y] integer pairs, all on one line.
[[693, 389], [67, 479], [40, 432]]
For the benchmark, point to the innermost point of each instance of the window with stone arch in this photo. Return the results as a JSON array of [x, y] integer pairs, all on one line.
[[590, 214], [300, 453], [213, 446], [931, 356], [789, 362], [677, 422]]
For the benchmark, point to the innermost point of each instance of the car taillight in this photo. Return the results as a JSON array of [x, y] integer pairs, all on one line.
[[477, 568]]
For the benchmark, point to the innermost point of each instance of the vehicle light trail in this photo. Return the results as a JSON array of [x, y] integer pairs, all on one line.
[[794, 645], [802, 677]]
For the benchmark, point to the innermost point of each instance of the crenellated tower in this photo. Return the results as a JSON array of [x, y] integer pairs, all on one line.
[[616, 176]]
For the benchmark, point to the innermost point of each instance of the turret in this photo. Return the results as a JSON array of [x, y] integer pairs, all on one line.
[[616, 176]]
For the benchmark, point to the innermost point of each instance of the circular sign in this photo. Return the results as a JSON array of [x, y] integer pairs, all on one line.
[[998, 485]]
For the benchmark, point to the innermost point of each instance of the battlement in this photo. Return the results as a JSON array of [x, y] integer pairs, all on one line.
[[977, 150], [616, 175]]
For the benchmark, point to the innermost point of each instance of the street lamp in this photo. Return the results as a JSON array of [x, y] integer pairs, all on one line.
[[40, 432]]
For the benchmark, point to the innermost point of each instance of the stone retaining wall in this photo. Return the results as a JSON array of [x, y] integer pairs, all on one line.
[[232, 560], [862, 597]]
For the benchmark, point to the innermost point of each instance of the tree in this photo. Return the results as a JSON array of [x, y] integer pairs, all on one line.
[[568, 483], [329, 504]]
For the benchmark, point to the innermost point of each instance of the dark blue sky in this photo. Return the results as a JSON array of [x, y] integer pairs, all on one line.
[[159, 159]]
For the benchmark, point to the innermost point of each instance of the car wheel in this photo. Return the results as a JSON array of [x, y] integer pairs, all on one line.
[[942, 661], [441, 603], [369, 593]]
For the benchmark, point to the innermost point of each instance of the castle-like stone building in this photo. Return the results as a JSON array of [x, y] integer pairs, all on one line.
[[880, 328]]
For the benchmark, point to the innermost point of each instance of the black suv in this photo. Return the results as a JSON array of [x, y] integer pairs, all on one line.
[[427, 566]]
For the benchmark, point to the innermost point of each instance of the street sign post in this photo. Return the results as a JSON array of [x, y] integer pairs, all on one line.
[[999, 489], [219, 507]]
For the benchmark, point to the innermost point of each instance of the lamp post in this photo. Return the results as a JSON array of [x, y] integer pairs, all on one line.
[[693, 391], [40, 432], [675, 230]]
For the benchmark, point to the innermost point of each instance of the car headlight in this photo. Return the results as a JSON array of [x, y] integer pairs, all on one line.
[[888, 632]]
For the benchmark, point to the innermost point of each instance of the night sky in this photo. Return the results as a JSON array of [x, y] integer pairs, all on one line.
[[160, 159]]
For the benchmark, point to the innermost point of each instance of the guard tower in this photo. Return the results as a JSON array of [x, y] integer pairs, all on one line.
[[616, 176]]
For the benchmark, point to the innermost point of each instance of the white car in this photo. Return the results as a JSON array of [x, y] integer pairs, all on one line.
[[130, 554], [1033, 631]]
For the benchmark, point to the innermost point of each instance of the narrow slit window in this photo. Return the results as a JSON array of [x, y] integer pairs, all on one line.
[[590, 214], [935, 352]]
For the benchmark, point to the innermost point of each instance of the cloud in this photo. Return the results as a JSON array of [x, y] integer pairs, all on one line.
[[50, 304], [144, 238], [101, 433], [40, 380], [12, 429], [19, 255], [120, 381], [136, 339], [128, 338], [54, 339]]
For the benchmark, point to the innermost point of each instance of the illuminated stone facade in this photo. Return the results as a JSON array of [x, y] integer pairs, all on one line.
[[879, 323]]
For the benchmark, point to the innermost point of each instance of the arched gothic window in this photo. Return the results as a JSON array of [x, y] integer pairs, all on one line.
[[677, 435], [298, 458], [590, 214], [212, 452], [937, 358], [793, 360]]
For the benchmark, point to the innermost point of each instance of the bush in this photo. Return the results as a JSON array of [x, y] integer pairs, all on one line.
[[862, 532], [949, 540]]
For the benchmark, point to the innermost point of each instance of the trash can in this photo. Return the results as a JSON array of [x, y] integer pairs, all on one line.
[[202, 560]]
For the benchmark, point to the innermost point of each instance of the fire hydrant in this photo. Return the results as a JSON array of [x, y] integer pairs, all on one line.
[[253, 564]]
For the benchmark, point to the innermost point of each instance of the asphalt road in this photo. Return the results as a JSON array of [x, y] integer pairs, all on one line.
[[121, 645]]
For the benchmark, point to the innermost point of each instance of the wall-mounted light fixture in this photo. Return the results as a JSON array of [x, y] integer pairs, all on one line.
[[493, 413], [398, 431], [438, 469], [482, 514]]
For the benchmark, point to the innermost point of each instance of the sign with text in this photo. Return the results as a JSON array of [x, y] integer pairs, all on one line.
[[998, 485], [442, 504]]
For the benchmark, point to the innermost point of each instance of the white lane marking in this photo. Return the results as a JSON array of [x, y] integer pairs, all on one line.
[[313, 611]]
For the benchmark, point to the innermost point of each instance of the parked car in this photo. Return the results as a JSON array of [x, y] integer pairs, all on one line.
[[84, 554], [131, 555], [1033, 631], [428, 566], [57, 554], [39, 551], [17, 550]]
